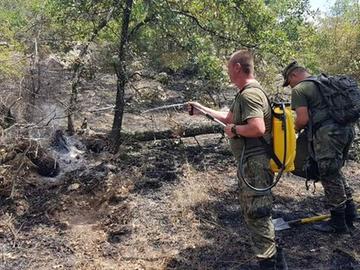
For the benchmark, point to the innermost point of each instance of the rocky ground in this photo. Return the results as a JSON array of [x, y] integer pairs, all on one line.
[[162, 204]]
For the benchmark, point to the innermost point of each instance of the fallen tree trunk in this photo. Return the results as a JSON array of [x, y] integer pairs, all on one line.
[[171, 134], [97, 140]]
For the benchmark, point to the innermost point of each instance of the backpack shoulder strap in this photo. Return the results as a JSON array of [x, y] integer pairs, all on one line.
[[322, 79], [314, 79], [268, 146], [262, 90]]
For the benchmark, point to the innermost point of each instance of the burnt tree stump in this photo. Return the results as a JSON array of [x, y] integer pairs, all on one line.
[[59, 142], [46, 164]]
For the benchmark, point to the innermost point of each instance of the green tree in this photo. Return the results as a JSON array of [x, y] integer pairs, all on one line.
[[15, 17], [338, 45], [175, 35]]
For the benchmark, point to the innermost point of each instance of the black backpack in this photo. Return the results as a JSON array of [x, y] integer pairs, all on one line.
[[341, 95]]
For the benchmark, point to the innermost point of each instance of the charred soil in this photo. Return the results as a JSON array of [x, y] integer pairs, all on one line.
[[162, 204]]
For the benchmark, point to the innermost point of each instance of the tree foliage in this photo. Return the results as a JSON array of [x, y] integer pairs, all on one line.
[[182, 36], [338, 44], [14, 16]]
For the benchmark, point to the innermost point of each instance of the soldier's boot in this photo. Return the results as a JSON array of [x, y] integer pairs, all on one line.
[[268, 264], [336, 223], [281, 263], [351, 214]]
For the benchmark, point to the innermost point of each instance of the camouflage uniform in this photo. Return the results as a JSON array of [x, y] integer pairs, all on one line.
[[331, 143], [256, 207]]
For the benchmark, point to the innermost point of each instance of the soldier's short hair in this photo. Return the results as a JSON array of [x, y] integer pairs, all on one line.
[[245, 59]]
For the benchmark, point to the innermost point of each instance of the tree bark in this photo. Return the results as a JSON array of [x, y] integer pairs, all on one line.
[[34, 81], [115, 135]]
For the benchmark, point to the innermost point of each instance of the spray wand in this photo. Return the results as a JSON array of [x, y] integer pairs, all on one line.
[[180, 105]]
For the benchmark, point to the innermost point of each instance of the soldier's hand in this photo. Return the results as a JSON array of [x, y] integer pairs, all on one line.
[[228, 131], [192, 108]]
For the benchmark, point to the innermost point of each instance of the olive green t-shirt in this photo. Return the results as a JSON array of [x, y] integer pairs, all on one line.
[[306, 94], [250, 102]]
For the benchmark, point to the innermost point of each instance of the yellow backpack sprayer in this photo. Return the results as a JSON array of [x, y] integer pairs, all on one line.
[[282, 146]]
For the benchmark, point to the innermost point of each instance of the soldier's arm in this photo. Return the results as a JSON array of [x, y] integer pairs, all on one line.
[[300, 105], [302, 117], [225, 117], [252, 104], [254, 128]]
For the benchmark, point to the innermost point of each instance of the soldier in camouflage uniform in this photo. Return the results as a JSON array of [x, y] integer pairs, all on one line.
[[331, 143], [249, 118]]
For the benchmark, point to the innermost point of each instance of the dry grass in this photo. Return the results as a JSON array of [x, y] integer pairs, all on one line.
[[193, 189]]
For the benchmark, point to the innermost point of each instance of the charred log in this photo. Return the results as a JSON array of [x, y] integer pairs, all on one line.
[[46, 165], [95, 145], [7, 119], [99, 142], [59, 142], [9, 156], [170, 134]]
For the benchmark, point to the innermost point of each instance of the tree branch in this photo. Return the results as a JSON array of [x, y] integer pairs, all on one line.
[[210, 31], [141, 24]]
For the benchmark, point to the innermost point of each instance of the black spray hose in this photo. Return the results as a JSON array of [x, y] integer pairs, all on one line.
[[278, 176]]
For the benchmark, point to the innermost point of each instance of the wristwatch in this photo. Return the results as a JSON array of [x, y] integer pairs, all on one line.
[[233, 130]]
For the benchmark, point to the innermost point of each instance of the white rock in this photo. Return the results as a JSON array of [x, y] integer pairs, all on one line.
[[74, 186]]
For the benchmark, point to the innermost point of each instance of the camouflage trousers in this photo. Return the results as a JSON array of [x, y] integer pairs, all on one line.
[[256, 206], [331, 145]]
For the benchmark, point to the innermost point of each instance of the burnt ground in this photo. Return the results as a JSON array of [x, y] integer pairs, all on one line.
[[160, 205], [163, 204]]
